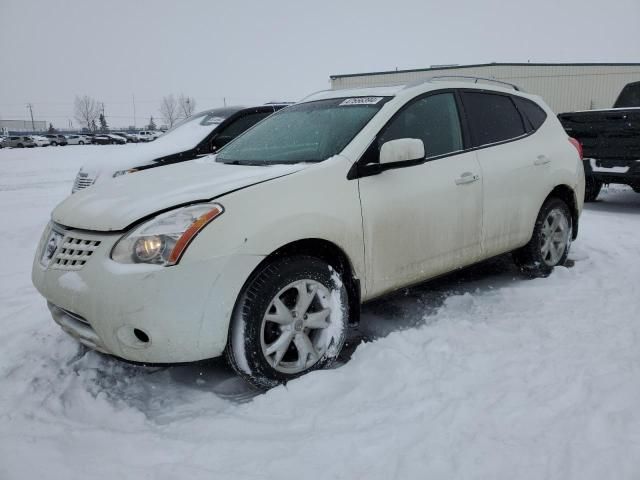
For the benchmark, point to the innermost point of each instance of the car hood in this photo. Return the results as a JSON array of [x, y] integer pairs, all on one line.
[[113, 206], [133, 155]]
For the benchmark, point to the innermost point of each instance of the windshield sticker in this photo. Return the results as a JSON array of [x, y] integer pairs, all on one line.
[[361, 101], [212, 120]]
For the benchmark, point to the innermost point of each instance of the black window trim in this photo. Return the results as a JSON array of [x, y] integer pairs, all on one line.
[[361, 169]]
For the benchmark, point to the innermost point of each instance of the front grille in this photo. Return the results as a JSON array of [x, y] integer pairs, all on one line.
[[82, 182], [74, 253]]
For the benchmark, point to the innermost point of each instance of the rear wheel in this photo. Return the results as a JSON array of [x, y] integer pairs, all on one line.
[[290, 319], [53, 144], [550, 242], [20, 145], [592, 189], [80, 142], [636, 188]]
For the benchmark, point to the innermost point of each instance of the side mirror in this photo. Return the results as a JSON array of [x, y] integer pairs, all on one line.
[[401, 150]]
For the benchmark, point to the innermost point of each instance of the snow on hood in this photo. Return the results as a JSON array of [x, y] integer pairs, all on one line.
[[182, 139], [133, 155], [113, 206]]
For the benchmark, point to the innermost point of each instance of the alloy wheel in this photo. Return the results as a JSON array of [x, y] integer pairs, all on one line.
[[296, 328], [555, 231]]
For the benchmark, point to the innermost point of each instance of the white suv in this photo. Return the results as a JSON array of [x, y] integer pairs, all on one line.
[[264, 253], [147, 135]]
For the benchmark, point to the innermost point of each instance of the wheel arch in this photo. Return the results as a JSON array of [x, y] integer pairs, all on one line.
[[568, 195], [329, 253]]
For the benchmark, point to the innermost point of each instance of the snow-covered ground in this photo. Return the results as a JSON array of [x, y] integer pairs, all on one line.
[[478, 375]]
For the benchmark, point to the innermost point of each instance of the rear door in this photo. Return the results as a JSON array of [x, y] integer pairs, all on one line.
[[422, 218], [514, 163]]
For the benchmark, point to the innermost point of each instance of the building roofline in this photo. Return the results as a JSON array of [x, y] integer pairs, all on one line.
[[494, 64]]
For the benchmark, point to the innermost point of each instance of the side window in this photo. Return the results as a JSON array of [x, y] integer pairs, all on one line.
[[433, 119], [237, 127], [533, 115], [492, 117]]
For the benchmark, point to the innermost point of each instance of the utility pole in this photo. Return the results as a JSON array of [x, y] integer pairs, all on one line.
[[224, 101], [33, 125], [133, 99]]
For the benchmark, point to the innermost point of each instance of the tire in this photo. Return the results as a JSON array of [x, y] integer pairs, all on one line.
[[538, 257], [20, 145], [592, 189], [54, 144], [636, 189], [80, 142], [309, 338]]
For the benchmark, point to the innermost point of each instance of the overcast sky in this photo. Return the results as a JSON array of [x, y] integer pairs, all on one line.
[[257, 51]]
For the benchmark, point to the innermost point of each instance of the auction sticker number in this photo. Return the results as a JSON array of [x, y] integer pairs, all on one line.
[[361, 101]]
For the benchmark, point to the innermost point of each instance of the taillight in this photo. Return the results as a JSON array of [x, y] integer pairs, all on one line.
[[578, 146]]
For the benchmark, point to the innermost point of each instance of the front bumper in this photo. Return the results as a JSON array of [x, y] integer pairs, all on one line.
[[184, 310]]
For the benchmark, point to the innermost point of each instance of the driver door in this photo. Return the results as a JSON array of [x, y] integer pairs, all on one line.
[[421, 219]]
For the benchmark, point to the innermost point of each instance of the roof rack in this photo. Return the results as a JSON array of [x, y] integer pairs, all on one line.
[[475, 80]]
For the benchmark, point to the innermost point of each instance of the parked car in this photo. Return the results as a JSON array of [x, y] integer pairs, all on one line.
[[265, 253], [131, 138], [40, 141], [108, 139], [200, 134], [56, 139], [77, 140], [611, 141], [19, 142], [2, 139], [147, 135]]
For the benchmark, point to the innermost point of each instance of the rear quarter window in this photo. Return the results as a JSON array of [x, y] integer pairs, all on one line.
[[533, 115], [492, 117]]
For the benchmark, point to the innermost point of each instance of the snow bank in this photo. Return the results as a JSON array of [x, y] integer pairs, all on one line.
[[479, 375]]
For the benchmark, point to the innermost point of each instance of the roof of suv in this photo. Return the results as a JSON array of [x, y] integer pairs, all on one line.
[[411, 90]]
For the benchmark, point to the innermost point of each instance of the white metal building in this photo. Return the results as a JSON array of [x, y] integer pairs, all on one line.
[[564, 86], [23, 125]]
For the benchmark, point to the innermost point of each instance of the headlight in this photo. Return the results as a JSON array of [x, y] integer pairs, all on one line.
[[163, 239]]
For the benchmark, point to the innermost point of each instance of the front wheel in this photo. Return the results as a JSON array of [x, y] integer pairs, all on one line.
[[80, 142], [291, 318], [550, 242]]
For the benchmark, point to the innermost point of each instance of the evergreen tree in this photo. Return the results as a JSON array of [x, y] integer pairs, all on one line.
[[94, 127], [51, 129], [152, 124], [103, 124]]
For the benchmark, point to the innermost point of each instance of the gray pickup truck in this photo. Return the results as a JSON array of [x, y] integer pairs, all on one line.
[[610, 140]]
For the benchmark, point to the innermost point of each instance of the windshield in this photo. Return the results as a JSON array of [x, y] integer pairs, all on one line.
[[307, 132], [191, 131]]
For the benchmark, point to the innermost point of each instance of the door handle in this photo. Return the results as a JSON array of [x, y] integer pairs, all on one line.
[[467, 177], [542, 160]]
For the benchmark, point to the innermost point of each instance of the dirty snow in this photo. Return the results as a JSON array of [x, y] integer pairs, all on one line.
[[478, 375]]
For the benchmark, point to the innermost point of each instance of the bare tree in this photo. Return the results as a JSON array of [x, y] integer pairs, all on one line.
[[86, 110], [169, 110], [186, 106]]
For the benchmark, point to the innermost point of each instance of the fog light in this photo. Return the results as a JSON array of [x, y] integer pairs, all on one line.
[[140, 335]]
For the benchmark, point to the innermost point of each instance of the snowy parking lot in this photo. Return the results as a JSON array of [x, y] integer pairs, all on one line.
[[481, 374]]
